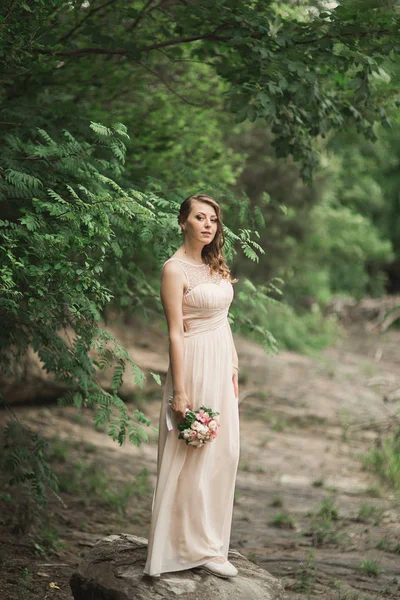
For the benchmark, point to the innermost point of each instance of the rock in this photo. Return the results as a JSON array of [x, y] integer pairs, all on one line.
[[113, 570]]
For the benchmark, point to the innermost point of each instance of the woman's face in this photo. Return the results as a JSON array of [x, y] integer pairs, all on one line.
[[201, 224]]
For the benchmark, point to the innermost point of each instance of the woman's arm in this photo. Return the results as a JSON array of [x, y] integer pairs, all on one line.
[[235, 359], [235, 365], [172, 289]]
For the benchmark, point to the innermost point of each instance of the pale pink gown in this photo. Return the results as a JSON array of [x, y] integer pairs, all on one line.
[[193, 499]]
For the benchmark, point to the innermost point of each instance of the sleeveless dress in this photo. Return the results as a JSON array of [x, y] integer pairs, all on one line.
[[193, 498]]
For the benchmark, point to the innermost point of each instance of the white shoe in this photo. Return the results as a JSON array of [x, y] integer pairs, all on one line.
[[225, 569]]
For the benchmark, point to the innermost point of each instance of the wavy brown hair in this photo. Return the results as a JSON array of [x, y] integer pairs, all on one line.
[[212, 252]]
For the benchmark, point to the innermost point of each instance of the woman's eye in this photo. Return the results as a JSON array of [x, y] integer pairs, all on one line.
[[200, 218]]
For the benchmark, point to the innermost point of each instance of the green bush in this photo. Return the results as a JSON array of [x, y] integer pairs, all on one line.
[[304, 332], [384, 459]]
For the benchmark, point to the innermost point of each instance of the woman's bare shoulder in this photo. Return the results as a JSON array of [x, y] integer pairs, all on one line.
[[171, 266], [173, 276]]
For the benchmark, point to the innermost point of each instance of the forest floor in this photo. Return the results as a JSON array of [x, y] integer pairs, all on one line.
[[305, 508]]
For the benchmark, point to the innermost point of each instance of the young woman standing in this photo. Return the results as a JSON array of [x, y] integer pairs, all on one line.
[[193, 499]]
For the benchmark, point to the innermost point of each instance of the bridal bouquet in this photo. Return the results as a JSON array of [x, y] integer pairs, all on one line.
[[199, 427]]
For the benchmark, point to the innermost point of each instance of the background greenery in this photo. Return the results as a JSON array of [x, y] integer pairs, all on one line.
[[112, 112]]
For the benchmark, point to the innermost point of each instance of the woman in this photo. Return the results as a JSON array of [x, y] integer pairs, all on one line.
[[193, 499]]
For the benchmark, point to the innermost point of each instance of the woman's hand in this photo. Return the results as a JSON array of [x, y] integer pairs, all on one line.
[[180, 403], [235, 381]]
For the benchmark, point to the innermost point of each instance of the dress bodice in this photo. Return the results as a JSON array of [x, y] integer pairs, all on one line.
[[206, 301]]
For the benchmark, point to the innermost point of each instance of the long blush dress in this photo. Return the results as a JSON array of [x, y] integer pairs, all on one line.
[[193, 498]]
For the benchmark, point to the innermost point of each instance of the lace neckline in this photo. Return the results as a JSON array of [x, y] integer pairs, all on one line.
[[198, 275], [189, 263]]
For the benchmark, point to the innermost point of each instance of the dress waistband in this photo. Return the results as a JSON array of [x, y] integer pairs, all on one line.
[[198, 324]]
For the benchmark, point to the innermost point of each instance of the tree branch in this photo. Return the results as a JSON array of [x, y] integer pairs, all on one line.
[[207, 36], [169, 87], [140, 16], [125, 52], [361, 34], [90, 14], [10, 8]]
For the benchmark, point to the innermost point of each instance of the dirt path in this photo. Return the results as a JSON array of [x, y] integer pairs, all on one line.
[[305, 509]]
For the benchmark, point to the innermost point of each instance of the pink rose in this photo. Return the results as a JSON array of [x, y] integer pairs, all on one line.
[[202, 416]]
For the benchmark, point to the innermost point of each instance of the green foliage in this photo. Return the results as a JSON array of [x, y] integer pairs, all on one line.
[[346, 594], [48, 541], [121, 499], [283, 520], [322, 527], [252, 302], [252, 557], [59, 233], [370, 567], [370, 512], [26, 471], [328, 510], [345, 242], [365, 179], [300, 331], [88, 212], [94, 487], [67, 242], [318, 238], [301, 72], [384, 459], [24, 584], [306, 575], [298, 72], [25, 460]]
